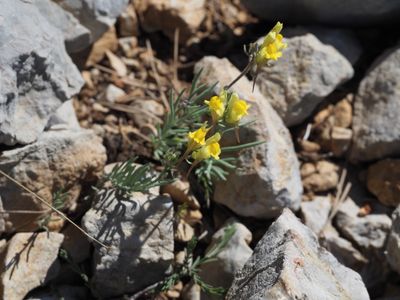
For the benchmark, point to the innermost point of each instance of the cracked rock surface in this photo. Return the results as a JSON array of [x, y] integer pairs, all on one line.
[[288, 263], [36, 74]]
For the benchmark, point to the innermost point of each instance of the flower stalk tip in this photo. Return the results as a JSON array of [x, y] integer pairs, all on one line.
[[272, 46]]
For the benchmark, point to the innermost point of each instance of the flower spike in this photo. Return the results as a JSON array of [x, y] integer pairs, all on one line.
[[272, 46]]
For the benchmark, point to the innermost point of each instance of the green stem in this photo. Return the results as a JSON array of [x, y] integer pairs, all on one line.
[[184, 156], [195, 163], [244, 72]]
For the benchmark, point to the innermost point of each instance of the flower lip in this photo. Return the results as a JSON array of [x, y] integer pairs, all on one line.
[[216, 105], [237, 108], [215, 150], [197, 138]]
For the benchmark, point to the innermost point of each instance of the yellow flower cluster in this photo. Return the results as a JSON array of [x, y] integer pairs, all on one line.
[[231, 109], [226, 107], [211, 148], [272, 46], [202, 148]]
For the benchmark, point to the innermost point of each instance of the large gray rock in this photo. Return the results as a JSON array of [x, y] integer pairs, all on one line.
[[343, 40], [288, 263], [36, 74], [96, 15], [328, 12], [365, 222], [220, 272], [307, 72], [28, 261], [376, 126], [139, 230], [267, 178], [59, 160], [343, 249], [367, 232], [393, 243], [315, 215], [76, 36]]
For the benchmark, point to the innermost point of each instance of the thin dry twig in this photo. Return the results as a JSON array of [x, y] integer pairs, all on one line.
[[129, 109], [143, 292], [156, 76], [139, 84], [105, 69], [124, 132], [308, 132], [60, 213], [340, 197], [127, 81], [176, 54], [30, 212], [151, 94]]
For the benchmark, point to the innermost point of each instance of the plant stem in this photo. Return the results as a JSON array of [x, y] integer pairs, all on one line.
[[183, 157], [195, 163], [244, 72], [29, 212]]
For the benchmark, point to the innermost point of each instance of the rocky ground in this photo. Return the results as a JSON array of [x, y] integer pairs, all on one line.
[[313, 212]]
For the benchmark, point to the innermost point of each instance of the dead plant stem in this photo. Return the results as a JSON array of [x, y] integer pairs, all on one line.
[[60, 213]]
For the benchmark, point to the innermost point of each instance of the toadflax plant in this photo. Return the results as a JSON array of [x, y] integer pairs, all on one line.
[[194, 126], [193, 129]]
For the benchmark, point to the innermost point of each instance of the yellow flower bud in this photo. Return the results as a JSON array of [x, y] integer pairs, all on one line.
[[210, 149], [271, 48], [197, 138], [236, 109], [217, 106]]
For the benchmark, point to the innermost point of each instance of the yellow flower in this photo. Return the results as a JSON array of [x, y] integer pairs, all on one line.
[[236, 109], [272, 46], [197, 138], [217, 106], [210, 149]]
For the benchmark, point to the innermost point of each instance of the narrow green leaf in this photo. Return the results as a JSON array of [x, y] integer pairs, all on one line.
[[202, 95], [194, 81], [242, 146]]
